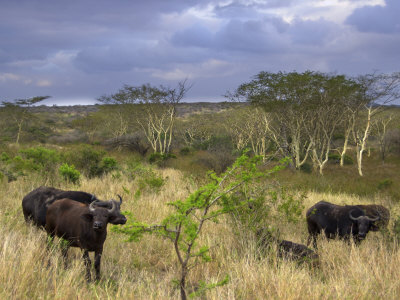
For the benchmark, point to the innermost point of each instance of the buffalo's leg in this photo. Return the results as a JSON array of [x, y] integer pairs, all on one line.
[[97, 263], [88, 263]]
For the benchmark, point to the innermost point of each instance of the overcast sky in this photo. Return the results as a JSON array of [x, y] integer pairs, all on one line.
[[78, 50]]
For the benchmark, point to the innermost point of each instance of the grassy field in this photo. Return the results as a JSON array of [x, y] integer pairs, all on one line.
[[146, 269]]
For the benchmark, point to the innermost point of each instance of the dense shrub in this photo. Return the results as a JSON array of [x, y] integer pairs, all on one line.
[[147, 178], [384, 184], [306, 168], [185, 151], [90, 161], [42, 157], [217, 161], [69, 173], [334, 158], [160, 159], [266, 205], [107, 165]]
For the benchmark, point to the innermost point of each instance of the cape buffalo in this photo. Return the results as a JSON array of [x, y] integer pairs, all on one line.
[[287, 249], [83, 226], [35, 203], [336, 220]]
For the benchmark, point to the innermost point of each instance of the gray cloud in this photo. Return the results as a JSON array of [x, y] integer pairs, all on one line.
[[379, 19], [82, 49]]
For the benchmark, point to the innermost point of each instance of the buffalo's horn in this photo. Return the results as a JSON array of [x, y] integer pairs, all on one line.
[[120, 199], [93, 197], [373, 219], [91, 206], [352, 218], [113, 208]]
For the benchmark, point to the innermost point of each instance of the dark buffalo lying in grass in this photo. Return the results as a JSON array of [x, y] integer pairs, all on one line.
[[348, 221], [81, 225], [35, 203], [287, 249]]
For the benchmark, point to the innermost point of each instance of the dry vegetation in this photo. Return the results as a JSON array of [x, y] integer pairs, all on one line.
[[146, 269]]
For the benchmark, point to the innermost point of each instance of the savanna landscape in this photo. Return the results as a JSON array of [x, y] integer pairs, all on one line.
[[199, 180]]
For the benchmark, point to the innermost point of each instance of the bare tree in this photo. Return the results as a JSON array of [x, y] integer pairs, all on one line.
[[325, 116], [377, 91], [251, 128], [380, 130], [155, 111], [286, 96]]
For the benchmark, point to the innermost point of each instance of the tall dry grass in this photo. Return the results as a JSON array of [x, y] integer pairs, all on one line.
[[146, 269]]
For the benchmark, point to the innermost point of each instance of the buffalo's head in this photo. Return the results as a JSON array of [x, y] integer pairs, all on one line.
[[100, 216], [117, 218], [363, 224]]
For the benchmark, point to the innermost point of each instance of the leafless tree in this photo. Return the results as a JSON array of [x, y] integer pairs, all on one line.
[[377, 91], [155, 111]]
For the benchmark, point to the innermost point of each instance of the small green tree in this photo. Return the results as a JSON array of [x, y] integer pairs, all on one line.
[[184, 226]]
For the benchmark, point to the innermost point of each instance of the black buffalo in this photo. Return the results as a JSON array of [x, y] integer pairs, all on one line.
[[287, 249], [83, 226], [338, 221], [35, 203]]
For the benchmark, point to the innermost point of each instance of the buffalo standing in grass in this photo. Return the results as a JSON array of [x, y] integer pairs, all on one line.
[[83, 226], [35, 203], [338, 221]]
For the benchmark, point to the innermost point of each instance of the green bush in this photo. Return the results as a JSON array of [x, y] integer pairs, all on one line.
[[107, 165], [384, 184], [160, 159], [334, 158], [69, 173], [267, 208], [4, 157], [42, 157], [147, 179], [185, 151], [90, 161], [306, 168]]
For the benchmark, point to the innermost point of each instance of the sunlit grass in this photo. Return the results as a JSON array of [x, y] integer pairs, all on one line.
[[146, 269]]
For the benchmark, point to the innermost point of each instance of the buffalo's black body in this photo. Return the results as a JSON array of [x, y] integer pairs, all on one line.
[[35, 203], [83, 226], [338, 221], [287, 249], [297, 252]]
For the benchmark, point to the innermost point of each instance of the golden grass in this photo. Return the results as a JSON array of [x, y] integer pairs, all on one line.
[[146, 269]]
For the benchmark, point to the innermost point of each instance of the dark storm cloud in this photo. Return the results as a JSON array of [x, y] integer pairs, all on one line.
[[82, 49], [379, 19], [312, 32]]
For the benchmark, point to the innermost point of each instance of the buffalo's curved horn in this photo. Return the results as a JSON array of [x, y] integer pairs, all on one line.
[[373, 219], [93, 197], [353, 218], [120, 199], [91, 206], [113, 208]]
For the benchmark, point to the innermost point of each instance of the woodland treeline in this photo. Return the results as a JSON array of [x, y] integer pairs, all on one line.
[[310, 117]]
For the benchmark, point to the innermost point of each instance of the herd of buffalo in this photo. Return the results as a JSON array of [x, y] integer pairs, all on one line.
[[81, 219]]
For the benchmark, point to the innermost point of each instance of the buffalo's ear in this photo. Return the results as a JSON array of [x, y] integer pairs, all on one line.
[[87, 217]]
